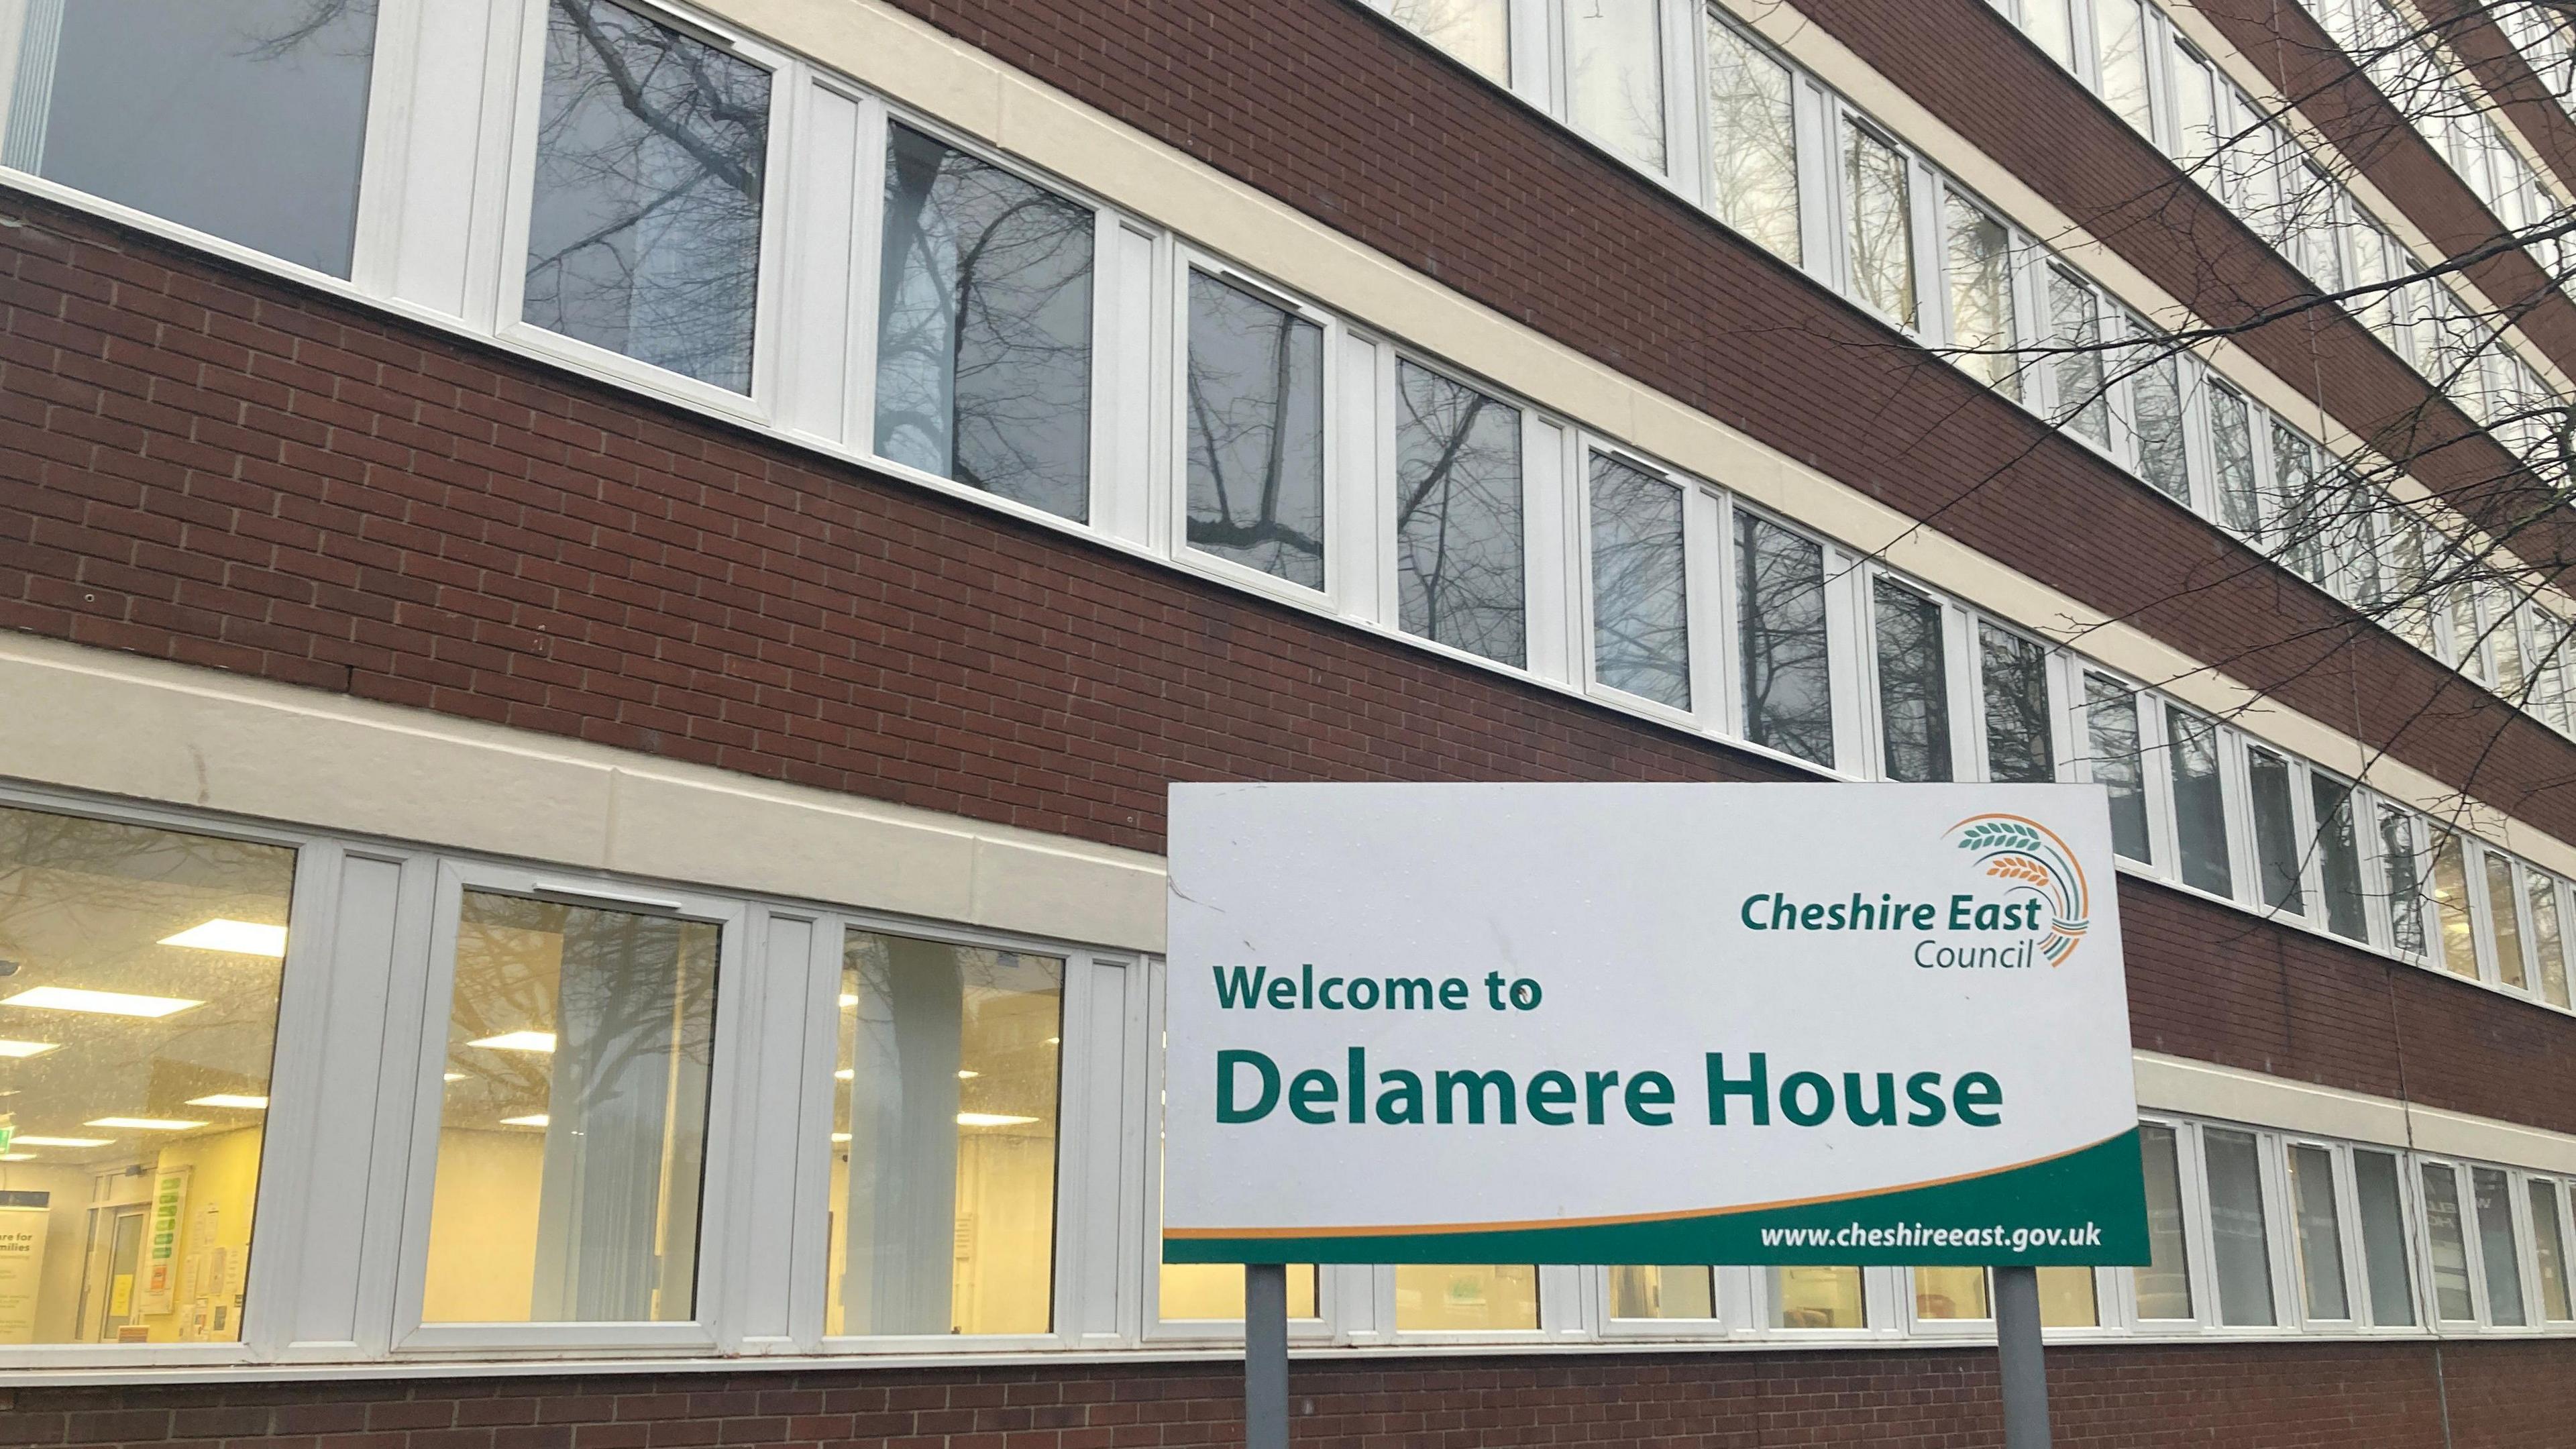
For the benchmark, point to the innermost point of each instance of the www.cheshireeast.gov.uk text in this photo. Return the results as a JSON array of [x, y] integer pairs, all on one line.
[[1919, 1235]]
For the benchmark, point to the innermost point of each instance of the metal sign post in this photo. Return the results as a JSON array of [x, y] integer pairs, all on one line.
[[2025, 1377], [1265, 1357]]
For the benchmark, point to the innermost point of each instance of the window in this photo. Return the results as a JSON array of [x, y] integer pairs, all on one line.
[[1942, 1294], [984, 328], [1817, 1298], [2119, 762], [255, 121], [2018, 747], [2075, 330], [2164, 1285], [1459, 1298], [2231, 436], [2451, 1297], [2200, 802], [2409, 571], [573, 1132], [1648, 1292], [2339, 857], [2276, 832], [2451, 907], [2320, 1233], [1981, 306], [2548, 941], [2503, 917], [2383, 1238], [2196, 124], [1614, 70], [1185, 1291], [2120, 28], [1913, 684], [644, 228], [1780, 609], [1256, 433], [944, 1139], [1753, 142], [2549, 1246], [2239, 1246], [2397, 854], [2293, 534], [1459, 561], [2155, 396], [1880, 196], [2050, 24], [1640, 625], [1477, 32], [2068, 1298], [2498, 1252], [135, 1036]]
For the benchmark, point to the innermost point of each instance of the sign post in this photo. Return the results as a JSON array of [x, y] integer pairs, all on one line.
[[1647, 1024]]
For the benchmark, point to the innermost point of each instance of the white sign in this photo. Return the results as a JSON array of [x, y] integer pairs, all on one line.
[[1647, 1024], [22, 1269]]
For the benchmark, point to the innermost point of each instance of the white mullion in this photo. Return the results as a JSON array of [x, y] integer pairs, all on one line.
[[1961, 693], [826, 261], [773, 1119], [1550, 646], [1704, 547]]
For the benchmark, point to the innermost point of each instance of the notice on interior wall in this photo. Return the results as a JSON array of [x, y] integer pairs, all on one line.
[[159, 1288], [22, 1263]]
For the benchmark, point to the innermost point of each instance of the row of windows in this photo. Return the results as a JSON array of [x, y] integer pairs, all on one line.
[[614, 1117]]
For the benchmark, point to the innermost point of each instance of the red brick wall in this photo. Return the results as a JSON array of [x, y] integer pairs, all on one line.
[[2315, 1395]]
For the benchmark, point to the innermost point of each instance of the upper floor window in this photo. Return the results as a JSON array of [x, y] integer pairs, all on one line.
[[1753, 141], [1981, 294], [2075, 330], [644, 227], [1255, 410], [1640, 622], [1782, 635], [244, 119], [1460, 563], [1477, 32], [1878, 192], [1913, 682], [2014, 671], [1614, 76], [2120, 38]]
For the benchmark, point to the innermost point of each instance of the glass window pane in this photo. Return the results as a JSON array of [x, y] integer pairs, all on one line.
[[1477, 32], [1878, 190], [2498, 1251], [1981, 305], [1256, 430], [2018, 744], [1951, 1293], [573, 1132], [2547, 942], [1913, 683], [2383, 1238], [136, 1026], [2501, 898], [2405, 879], [2075, 328], [984, 328], [1459, 560], [2155, 391], [2121, 31], [944, 1139], [2164, 1285], [2232, 440], [644, 230], [2048, 23], [2196, 109], [1215, 1290], [2442, 1224], [2451, 908], [1462, 1298], [2312, 1197], [1780, 607], [2200, 802], [1753, 142], [1647, 1292], [2111, 729], [1614, 67], [2067, 1299], [2549, 1242], [1817, 1298], [2276, 837], [2239, 1240], [2339, 857], [1640, 622], [2292, 533]]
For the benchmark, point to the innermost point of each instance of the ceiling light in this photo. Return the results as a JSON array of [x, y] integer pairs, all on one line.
[[143, 1124], [518, 1041], [231, 1099], [240, 937], [848, 1000], [537, 1119], [24, 1139], [845, 1074], [26, 1048], [1055, 1041], [840, 1136], [104, 1003], [991, 1119], [17, 1157], [455, 1076], [966, 1075]]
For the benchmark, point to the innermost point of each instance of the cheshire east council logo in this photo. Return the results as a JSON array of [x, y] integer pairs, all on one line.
[[2028, 854]]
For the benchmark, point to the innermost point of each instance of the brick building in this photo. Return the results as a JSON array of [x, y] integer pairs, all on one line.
[[601, 596]]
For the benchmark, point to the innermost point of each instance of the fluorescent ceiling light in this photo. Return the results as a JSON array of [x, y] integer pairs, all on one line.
[[455, 1076], [848, 1000], [240, 937], [518, 1041], [990, 1119], [537, 1119], [965, 1075], [1055, 1041], [103, 1003], [143, 1124], [840, 1136], [26, 1048], [242, 1100], [25, 1139], [845, 1074], [17, 1157]]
